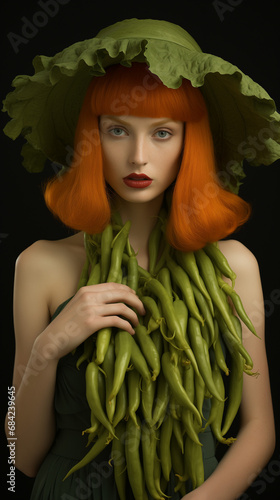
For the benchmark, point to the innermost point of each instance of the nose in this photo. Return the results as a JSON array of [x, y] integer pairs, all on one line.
[[139, 152]]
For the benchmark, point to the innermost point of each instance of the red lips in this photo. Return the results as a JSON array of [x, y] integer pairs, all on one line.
[[138, 181], [138, 176]]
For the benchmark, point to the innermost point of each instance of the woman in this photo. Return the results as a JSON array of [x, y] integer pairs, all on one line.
[[148, 141]]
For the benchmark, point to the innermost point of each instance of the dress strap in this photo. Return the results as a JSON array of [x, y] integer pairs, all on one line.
[[60, 307]]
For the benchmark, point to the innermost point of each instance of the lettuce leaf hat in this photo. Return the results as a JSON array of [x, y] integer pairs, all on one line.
[[44, 107]]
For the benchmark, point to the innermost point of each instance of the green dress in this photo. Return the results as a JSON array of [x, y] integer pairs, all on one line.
[[96, 480]]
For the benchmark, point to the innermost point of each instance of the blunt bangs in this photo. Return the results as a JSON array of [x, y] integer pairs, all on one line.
[[135, 91]]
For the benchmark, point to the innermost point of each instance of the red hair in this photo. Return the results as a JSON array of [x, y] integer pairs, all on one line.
[[201, 210]]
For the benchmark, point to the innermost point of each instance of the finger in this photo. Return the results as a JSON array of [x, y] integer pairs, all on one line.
[[110, 293], [110, 286], [118, 309], [112, 296], [115, 321], [128, 298]]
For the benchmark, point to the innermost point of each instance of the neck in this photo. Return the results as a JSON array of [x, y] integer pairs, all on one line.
[[143, 219]]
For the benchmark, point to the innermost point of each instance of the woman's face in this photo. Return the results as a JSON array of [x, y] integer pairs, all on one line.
[[141, 156]]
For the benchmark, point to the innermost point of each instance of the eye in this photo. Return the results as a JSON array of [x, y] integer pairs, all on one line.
[[117, 131], [162, 134]]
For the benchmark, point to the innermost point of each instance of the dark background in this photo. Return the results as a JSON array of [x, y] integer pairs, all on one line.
[[246, 33]]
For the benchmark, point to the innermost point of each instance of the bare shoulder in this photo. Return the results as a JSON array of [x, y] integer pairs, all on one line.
[[44, 256], [239, 257], [52, 267], [46, 274]]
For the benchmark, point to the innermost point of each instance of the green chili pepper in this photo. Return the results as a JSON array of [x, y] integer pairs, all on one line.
[[182, 314], [199, 393], [102, 343], [148, 348], [147, 401], [139, 362], [151, 305], [148, 441], [108, 367], [165, 279], [92, 395], [220, 260], [101, 443], [133, 462], [235, 385], [173, 377], [154, 243], [133, 385], [123, 345], [217, 407], [178, 433], [200, 350], [117, 251], [236, 300], [105, 257], [205, 312], [187, 415], [143, 274], [161, 401], [218, 351], [218, 410], [162, 260], [209, 275], [231, 341], [102, 389], [182, 281], [121, 405], [188, 262], [177, 465], [164, 446], [94, 277], [158, 341], [172, 321], [194, 462], [119, 463], [94, 428], [132, 277]]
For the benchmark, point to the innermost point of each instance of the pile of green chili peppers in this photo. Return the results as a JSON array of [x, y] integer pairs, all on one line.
[[146, 391]]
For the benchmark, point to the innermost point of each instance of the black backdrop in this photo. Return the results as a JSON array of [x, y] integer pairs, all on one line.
[[245, 32]]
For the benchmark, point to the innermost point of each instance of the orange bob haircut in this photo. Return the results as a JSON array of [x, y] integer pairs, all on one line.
[[202, 210]]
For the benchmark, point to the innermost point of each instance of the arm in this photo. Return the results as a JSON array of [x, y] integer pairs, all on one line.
[[34, 380], [40, 344], [256, 438]]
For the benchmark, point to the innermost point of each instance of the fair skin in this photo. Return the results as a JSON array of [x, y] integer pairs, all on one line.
[[47, 274], [133, 145]]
